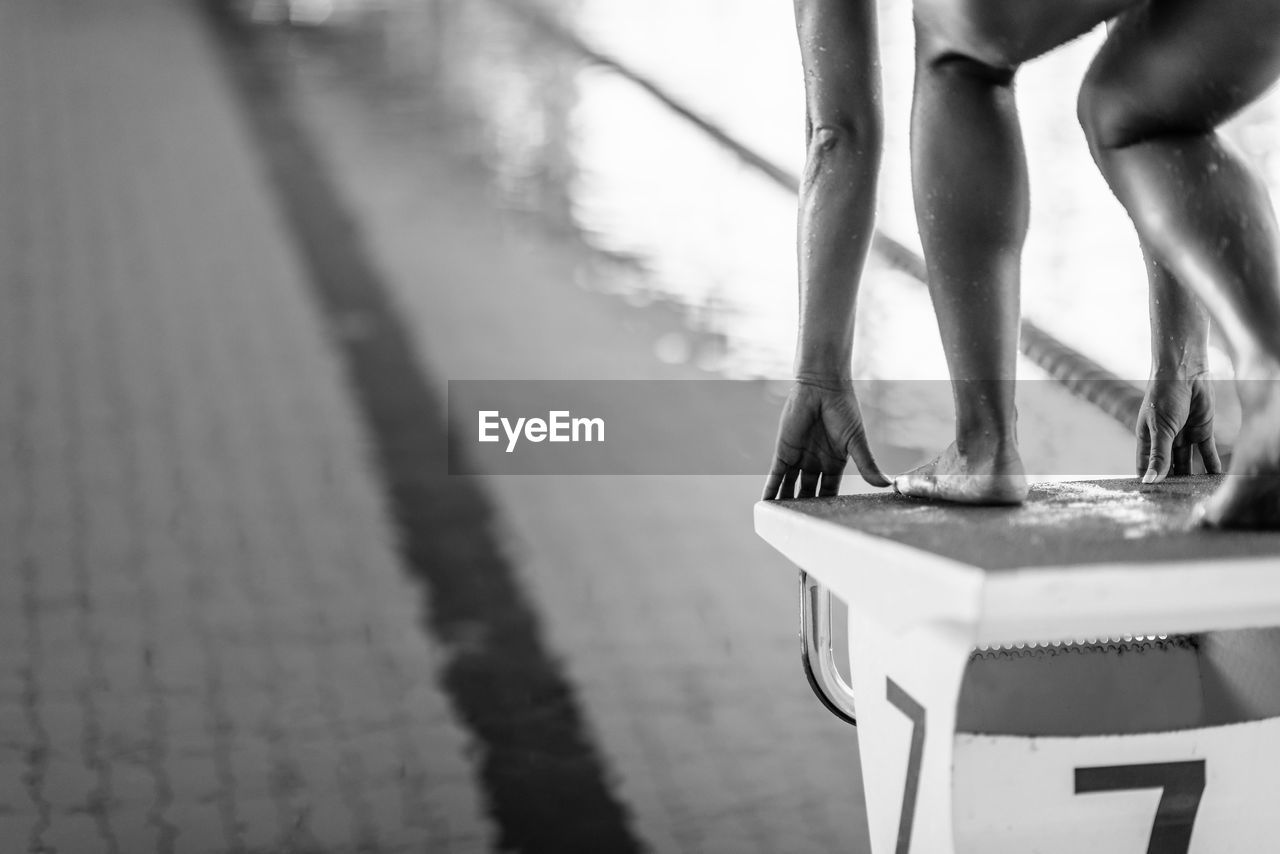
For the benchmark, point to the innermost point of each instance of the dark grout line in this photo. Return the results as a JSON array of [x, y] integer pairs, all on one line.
[[546, 783], [1079, 374]]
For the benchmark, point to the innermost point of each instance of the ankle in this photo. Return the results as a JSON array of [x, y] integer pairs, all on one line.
[[988, 442]]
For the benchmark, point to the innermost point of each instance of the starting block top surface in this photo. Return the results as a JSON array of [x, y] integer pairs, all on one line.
[[1078, 559], [1069, 523]]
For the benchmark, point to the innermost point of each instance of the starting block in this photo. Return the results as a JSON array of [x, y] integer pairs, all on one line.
[[1086, 672]]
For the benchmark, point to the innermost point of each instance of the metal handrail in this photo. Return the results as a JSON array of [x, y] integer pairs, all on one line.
[[816, 653]]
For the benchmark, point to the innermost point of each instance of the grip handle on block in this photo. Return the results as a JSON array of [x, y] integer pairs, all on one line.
[[816, 653]]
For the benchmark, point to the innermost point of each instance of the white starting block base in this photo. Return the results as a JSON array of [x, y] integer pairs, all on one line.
[[1166, 746], [1021, 794]]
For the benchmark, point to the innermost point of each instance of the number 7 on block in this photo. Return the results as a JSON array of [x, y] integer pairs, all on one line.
[[1181, 784], [907, 704]]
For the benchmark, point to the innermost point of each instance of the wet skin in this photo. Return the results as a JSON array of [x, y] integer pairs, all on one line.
[[821, 426], [967, 57], [1176, 417], [1170, 73]]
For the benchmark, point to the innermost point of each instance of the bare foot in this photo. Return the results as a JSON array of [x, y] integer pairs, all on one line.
[[992, 477], [1250, 495]]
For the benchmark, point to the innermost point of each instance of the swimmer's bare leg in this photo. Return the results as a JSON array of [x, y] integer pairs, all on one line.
[[969, 175], [1170, 73], [966, 158]]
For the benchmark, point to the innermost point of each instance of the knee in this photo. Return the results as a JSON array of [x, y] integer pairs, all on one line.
[[1117, 111], [967, 37], [1106, 116], [846, 135], [963, 67]]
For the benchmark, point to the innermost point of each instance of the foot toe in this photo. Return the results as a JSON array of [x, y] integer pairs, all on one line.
[[915, 485]]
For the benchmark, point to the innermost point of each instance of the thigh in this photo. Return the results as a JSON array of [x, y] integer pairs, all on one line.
[[1006, 33], [1182, 66]]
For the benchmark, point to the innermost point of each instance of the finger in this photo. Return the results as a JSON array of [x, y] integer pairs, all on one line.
[[1181, 466], [1209, 454], [808, 483], [776, 473], [1144, 447], [1161, 456], [830, 484], [771, 485], [866, 462], [774, 481]]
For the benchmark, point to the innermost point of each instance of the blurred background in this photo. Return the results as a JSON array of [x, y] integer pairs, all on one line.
[[245, 247]]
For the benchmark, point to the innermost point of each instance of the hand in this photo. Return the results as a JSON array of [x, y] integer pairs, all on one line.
[[1176, 416], [821, 427]]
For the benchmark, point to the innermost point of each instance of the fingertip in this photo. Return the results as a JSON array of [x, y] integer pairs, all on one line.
[[771, 485], [1162, 450], [860, 451], [875, 477], [1160, 461]]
